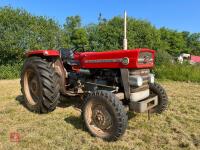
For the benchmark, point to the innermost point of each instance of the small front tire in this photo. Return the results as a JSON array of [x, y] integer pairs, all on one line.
[[104, 115]]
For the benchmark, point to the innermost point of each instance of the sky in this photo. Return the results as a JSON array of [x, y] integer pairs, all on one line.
[[181, 15]]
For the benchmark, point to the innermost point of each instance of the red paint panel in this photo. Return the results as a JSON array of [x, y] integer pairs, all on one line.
[[107, 59], [113, 55], [43, 53]]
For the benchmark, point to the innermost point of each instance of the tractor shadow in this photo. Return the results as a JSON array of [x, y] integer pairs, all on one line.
[[76, 121], [131, 115], [20, 99], [76, 103], [64, 102]]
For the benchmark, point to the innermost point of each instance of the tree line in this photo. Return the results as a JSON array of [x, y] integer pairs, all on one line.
[[21, 31]]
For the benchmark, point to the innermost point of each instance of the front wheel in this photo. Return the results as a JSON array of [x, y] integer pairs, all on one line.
[[104, 115], [157, 89]]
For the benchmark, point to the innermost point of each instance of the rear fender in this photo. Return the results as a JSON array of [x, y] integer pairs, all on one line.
[[57, 64], [47, 53]]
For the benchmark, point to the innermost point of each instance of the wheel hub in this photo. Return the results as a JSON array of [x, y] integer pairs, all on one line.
[[101, 118], [34, 85]]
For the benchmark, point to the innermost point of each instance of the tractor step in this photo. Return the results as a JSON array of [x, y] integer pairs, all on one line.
[[144, 105]]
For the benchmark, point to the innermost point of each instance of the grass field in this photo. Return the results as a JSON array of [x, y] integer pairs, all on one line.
[[177, 128]]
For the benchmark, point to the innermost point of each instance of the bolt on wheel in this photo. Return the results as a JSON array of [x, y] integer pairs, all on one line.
[[104, 115], [99, 118], [40, 85]]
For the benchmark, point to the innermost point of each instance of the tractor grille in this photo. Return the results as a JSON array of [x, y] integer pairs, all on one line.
[[144, 73]]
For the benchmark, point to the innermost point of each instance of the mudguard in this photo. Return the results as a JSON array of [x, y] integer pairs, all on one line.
[[52, 53]]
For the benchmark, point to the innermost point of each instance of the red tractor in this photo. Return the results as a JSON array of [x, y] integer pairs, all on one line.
[[106, 81]]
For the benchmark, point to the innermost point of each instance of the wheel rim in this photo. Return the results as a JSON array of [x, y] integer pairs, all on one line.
[[31, 86], [99, 119]]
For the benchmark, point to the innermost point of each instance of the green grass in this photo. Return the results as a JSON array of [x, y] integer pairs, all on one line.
[[177, 128], [10, 71], [178, 72], [175, 72]]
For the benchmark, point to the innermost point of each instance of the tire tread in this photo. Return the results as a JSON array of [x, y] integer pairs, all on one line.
[[49, 81]]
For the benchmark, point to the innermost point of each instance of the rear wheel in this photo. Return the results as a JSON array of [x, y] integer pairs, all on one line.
[[40, 85], [104, 115], [157, 89]]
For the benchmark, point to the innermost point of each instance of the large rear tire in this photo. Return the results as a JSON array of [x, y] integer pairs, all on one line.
[[104, 115], [39, 85], [158, 90]]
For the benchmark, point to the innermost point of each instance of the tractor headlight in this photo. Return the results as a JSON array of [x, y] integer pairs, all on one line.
[[151, 78], [135, 80]]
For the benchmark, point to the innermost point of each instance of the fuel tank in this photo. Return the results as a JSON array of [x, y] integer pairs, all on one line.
[[135, 58]]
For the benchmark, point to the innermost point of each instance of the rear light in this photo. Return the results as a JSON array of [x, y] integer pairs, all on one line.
[[145, 58]]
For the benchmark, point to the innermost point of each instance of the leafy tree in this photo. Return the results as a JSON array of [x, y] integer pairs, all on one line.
[[108, 35], [141, 34], [172, 41], [76, 34], [20, 31], [92, 33], [72, 22], [194, 43], [79, 38]]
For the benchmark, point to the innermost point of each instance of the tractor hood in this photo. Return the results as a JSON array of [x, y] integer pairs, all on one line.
[[136, 58]]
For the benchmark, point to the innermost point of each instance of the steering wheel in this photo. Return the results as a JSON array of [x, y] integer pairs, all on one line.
[[74, 49]]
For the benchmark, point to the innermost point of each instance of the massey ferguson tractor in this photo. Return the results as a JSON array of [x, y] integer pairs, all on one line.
[[107, 82]]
